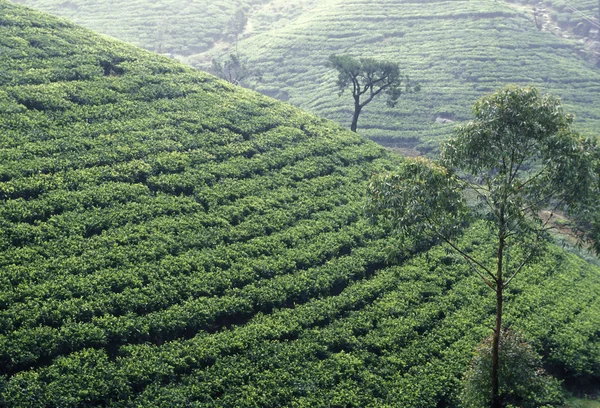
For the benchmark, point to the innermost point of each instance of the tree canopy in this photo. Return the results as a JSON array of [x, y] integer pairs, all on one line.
[[367, 78], [231, 68], [234, 69], [517, 158]]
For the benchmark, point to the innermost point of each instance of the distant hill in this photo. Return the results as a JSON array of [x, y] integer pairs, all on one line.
[[180, 27], [169, 240], [458, 50]]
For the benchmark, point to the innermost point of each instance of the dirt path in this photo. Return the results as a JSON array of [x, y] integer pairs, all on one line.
[[587, 48], [545, 22]]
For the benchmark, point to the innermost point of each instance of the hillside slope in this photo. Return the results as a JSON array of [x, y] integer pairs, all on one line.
[[458, 50], [167, 239], [180, 27]]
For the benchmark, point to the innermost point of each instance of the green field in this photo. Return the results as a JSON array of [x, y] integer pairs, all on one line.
[[458, 50], [174, 27], [495, 45], [167, 239]]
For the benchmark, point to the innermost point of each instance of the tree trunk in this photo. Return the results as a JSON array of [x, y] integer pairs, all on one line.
[[496, 398], [357, 109]]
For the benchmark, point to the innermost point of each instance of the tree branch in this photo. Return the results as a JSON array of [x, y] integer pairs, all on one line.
[[371, 84], [373, 95], [469, 259], [507, 282], [480, 191], [541, 200], [532, 178]]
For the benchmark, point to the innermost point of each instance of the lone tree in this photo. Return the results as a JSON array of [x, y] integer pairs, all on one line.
[[519, 157], [233, 69], [237, 24], [367, 78]]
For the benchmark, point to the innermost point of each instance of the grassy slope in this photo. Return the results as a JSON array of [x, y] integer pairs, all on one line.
[[170, 240], [165, 26], [457, 49], [583, 403], [181, 28]]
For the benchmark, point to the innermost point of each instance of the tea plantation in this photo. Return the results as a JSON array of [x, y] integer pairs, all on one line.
[[169, 240], [458, 50], [179, 27], [175, 27]]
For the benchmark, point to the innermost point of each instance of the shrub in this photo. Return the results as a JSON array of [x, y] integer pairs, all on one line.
[[523, 381]]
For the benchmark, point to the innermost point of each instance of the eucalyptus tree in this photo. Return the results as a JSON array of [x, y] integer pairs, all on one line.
[[367, 78], [517, 158], [237, 24], [230, 68]]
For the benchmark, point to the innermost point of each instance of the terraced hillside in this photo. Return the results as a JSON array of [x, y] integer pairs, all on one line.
[[179, 28], [456, 49], [571, 13], [165, 26], [167, 239]]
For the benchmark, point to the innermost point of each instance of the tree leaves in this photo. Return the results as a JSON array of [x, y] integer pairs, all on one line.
[[368, 78], [525, 157], [421, 197]]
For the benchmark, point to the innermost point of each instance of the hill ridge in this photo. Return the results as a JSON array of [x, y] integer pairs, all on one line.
[[455, 67]]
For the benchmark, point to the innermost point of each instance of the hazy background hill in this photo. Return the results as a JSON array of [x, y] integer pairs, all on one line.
[[456, 49]]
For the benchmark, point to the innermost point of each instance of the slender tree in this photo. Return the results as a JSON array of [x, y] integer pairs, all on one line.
[[367, 78], [237, 25], [234, 69], [518, 157], [231, 68]]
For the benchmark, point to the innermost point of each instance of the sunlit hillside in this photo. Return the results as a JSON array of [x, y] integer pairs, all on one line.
[[170, 240], [458, 50], [179, 28]]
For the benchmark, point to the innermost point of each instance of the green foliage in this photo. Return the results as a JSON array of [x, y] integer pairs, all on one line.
[[238, 22], [164, 26], [420, 198], [290, 42], [367, 78], [526, 158], [496, 44], [522, 158], [523, 382], [233, 69], [582, 403], [167, 239]]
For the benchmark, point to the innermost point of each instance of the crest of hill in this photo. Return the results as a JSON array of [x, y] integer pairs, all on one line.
[[167, 239], [458, 50]]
